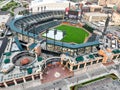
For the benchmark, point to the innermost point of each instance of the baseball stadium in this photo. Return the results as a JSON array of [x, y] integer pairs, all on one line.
[[53, 28], [53, 45]]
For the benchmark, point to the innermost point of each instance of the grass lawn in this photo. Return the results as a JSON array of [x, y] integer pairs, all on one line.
[[75, 87], [73, 34], [9, 5]]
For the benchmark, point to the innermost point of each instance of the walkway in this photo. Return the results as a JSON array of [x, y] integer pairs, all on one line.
[[56, 72], [79, 77]]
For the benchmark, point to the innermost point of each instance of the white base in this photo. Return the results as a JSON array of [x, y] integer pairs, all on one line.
[[58, 36]]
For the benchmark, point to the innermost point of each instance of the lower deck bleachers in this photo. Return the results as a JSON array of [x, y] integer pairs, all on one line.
[[92, 38], [45, 26]]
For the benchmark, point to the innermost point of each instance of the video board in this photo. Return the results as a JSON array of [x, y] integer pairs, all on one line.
[[73, 14]]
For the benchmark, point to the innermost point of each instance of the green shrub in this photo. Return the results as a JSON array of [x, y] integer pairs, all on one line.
[[11, 13], [9, 5]]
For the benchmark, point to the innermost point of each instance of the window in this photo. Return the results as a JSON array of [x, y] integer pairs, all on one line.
[[68, 65], [114, 57], [64, 62], [75, 67], [119, 56], [100, 61], [88, 63], [81, 66], [94, 62]]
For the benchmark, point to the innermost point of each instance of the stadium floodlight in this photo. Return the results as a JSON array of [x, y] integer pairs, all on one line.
[[55, 32], [34, 29], [46, 37], [81, 14], [111, 15], [22, 27], [64, 33], [41, 9], [27, 29], [44, 8], [38, 9], [31, 10], [106, 24], [69, 4]]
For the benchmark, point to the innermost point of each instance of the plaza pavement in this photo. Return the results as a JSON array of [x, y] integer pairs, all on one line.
[[79, 77]]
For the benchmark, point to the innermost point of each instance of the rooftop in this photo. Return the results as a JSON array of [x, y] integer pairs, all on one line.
[[95, 6], [17, 71], [88, 57], [4, 17], [3, 44], [95, 14]]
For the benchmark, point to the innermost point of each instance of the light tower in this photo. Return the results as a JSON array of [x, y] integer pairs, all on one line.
[[106, 24], [22, 27], [81, 13], [34, 32], [55, 32], [46, 37]]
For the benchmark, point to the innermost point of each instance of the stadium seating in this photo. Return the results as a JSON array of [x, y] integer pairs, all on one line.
[[42, 21], [45, 26], [92, 38]]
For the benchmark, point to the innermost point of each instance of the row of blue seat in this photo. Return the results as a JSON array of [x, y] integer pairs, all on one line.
[[45, 26], [37, 18]]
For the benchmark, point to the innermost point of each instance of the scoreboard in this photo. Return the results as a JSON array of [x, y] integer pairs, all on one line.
[[72, 14]]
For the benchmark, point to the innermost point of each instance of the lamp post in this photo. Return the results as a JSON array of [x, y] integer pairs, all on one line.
[[55, 32], [46, 38]]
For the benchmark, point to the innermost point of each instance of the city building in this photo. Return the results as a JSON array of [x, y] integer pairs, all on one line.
[[95, 16], [45, 5], [4, 17], [23, 66], [106, 2], [116, 18], [95, 8]]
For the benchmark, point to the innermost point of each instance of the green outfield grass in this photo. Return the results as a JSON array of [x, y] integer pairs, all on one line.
[[73, 34]]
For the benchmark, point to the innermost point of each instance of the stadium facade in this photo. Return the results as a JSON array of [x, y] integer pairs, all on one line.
[[38, 62], [29, 29]]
